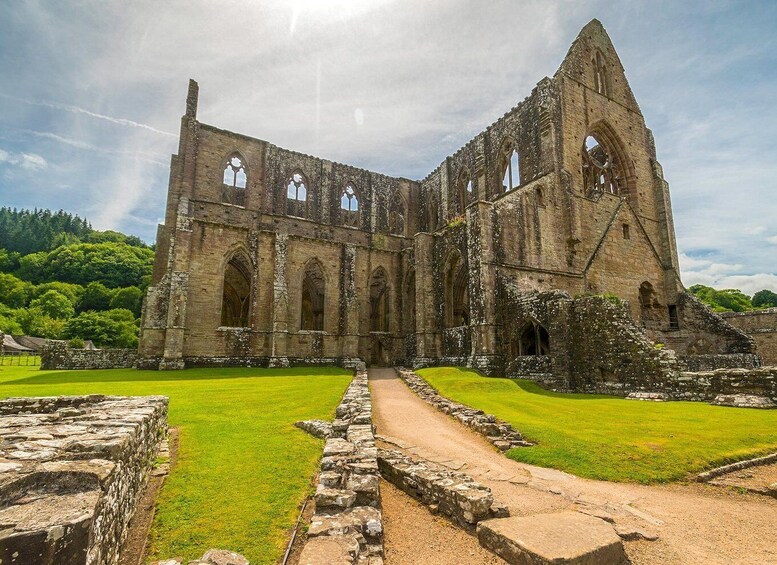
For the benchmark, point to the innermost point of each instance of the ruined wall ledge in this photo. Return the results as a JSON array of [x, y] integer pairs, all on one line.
[[71, 474]]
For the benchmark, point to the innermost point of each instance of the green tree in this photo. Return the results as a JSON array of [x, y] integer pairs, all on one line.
[[72, 291], [764, 299], [35, 322], [114, 328], [54, 304], [96, 296], [9, 261], [8, 323], [129, 298], [113, 264], [14, 292], [727, 300], [32, 267]]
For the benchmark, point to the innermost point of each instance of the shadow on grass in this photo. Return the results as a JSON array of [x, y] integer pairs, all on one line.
[[533, 388], [133, 375]]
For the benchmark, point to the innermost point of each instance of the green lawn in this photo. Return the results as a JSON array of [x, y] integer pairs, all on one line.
[[242, 467], [605, 437]]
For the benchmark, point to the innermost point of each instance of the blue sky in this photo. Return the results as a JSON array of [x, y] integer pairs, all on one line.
[[91, 93]]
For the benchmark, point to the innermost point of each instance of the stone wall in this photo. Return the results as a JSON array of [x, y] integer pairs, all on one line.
[[72, 472], [712, 362], [57, 355], [347, 525], [761, 325]]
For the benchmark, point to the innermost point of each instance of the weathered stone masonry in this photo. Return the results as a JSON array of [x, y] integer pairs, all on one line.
[[269, 257], [71, 473]]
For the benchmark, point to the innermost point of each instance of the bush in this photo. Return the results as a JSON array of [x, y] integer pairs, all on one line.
[[35, 322], [76, 343], [765, 299]]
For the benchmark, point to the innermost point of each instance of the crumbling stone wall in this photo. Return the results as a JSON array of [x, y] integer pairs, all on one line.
[[761, 325], [57, 355], [73, 468]]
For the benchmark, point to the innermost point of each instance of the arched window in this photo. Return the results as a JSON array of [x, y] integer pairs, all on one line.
[[602, 171], [432, 211], [533, 340], [651, 310], [236, 296], [235, 180], [296, 195], [601, 77], [349, 207], [313, 289], [456, 293], [511, 168], [379, 301], [465, 192], [396, 219], [408, 302]]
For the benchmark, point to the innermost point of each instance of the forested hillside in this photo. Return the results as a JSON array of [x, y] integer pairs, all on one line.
[[61, 279]]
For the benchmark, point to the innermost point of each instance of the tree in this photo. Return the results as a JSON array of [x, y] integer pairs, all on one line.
[[129, 298], [54, 304], [72, 291], [9, 261], [8, 323], [35, 322], [14, 292], [114, 328], [765, 299], [96, 296], [31, 267], [727, 300]]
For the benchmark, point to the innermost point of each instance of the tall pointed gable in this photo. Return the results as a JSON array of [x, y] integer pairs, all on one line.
[[593, 62]]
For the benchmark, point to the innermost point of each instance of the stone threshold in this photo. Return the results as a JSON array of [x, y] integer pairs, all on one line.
[[498, 432]]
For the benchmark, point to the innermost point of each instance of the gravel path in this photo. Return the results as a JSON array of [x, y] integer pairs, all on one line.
[[696, 523]]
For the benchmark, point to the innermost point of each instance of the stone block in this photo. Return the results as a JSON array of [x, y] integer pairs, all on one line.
[[564, 537]]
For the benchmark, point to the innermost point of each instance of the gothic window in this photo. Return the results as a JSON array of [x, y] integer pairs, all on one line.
[[601, 78], [602, 170], [349, 206], [396, 219], [465, 192], [236, 293], [379, 301], [235, 180], [432, 212], [533, 340], [409, 303], [313, 287], [296, 196], [511, 168], [456, 294]]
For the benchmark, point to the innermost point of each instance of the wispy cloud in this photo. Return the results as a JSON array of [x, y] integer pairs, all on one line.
[[25, 161]]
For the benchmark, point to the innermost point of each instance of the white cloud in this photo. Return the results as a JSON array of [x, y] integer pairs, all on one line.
[[26, 161], [772, 239]]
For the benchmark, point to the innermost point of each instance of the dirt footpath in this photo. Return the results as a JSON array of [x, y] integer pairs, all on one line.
[[695, 523]]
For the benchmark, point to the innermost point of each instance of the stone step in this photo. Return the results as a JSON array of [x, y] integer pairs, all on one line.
[[562, 537]]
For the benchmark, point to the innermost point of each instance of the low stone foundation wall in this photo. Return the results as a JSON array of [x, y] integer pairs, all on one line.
[[452, 494], [695, 363], [347, 525], [72, 470], [155, 363], [498, 432], [57, 355]]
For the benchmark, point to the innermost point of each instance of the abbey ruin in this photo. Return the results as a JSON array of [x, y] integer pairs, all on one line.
[[544, 246]]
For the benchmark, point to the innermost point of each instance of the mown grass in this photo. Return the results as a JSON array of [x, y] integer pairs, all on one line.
[[609, 438], [242, 467]]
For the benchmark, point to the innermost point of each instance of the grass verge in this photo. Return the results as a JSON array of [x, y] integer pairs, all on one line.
[[610, 438], [242, 467]]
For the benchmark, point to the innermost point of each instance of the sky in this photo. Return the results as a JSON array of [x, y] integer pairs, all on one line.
[[92, 92]]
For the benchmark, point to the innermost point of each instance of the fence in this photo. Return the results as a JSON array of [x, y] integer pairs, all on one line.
[[20, 358]]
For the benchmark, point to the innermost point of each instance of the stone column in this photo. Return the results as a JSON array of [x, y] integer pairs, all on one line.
[[349, 307], [280, 303], [482, 286], [426, 319]]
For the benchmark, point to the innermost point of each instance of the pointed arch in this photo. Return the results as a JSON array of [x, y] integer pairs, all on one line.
[[234, 180], [606, 166], [432, 211], [601, 73], [313, 296], [396, 216], [509, 166], [379, 301], [298, 194], [408, 302], [464, 192], [236, 291], [456, 291], [532, 339], [350, 208]]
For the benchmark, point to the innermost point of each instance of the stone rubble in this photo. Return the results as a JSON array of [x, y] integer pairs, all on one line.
[[316, 428], [744, 401], [452, 494], [650, 396], [347, 525], [72, 470], [211, 557], [501, 434]]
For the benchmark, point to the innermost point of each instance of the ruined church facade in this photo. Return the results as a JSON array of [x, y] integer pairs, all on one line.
[[272, 257]]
